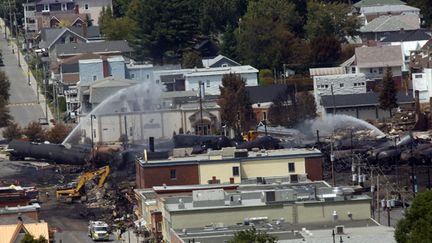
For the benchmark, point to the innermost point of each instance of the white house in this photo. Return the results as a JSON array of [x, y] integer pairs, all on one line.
[[409, 41], [423, 83]]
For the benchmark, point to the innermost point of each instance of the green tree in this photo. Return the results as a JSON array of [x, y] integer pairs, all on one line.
[[275, 43], [252, 235], [4, 86], [164, 27], [425, 7], [277, 11], [235, 106], [281, 111], [387, 96], [416, 226], [28, 238], [229, 43], [325, 51], [120, 7], [34, 132], [305, 103], [191, 59], [105, 19], [5, 117], [13, 131], [266, 77], [58, 133], [121, 29], [330, 19], [213, 22]]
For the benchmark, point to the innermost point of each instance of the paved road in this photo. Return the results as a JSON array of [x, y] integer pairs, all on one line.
[[23, 104]]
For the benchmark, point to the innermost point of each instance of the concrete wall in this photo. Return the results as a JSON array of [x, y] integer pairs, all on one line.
[[90, 71], [323, 212], [266, 167], [222, 171]]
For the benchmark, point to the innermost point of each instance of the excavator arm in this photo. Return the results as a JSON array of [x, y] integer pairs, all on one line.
[[103, 172]]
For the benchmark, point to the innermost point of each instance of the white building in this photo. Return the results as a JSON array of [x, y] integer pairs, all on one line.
[[423, 83], [337, 85]]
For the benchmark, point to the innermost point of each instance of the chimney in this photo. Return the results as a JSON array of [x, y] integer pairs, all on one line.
[[85, 29], [151, 144], [76, 10], [231, 180]]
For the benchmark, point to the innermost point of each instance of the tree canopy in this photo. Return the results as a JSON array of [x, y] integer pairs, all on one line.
[[387, 96], [252, 235], [235, 106], [416, 226]]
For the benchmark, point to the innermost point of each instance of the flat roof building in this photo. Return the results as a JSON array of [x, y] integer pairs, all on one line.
[[230, 165], [207, 213]]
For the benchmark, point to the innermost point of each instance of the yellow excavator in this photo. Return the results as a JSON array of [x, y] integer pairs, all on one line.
[[68, 194]]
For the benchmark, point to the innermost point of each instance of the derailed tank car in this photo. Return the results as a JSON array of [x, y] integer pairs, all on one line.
[[58, 153]]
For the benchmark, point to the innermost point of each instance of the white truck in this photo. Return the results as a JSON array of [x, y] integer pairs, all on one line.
[[98, 230]]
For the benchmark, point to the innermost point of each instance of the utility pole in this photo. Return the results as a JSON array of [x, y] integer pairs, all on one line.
[[92, 141], [377, 199], [201, 91]]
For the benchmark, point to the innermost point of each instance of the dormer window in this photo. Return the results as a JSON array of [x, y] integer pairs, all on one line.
[[64, 7], [46, 7], [86, 6]]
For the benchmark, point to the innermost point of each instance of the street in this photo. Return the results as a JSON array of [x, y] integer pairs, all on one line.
[[23, 103]]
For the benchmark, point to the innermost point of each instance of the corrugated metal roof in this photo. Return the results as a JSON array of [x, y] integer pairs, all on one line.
[[326, 71]]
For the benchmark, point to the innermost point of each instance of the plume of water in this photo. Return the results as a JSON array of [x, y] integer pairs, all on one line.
[[143, 97], [331, 123]]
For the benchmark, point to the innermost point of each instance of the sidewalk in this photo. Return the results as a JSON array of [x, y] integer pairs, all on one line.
[[27, 73]]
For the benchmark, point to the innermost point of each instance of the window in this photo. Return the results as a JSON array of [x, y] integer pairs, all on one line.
[[132, 75], [173, 174], [265, 115], [208, 83], [86, 6], [148, 76], [353, 69], [94, 77], [418, 76], [46, 7], [380, 70], [371, 70], [224, 65], [64, 8], [341, 85], [236, 171], [291, 167], [355, 84], [326, 86]]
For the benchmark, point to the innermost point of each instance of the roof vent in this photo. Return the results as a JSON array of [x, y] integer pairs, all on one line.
[[181, 204]]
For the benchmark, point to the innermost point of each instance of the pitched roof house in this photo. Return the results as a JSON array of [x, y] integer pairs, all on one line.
[[381, 26]]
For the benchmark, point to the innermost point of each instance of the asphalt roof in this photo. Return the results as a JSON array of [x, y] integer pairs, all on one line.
[[386, 23], [413, 35], [358, 100], [367, 3], [120, 46], [264, 93], [378, 56], [387, 9], [92, 31]]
